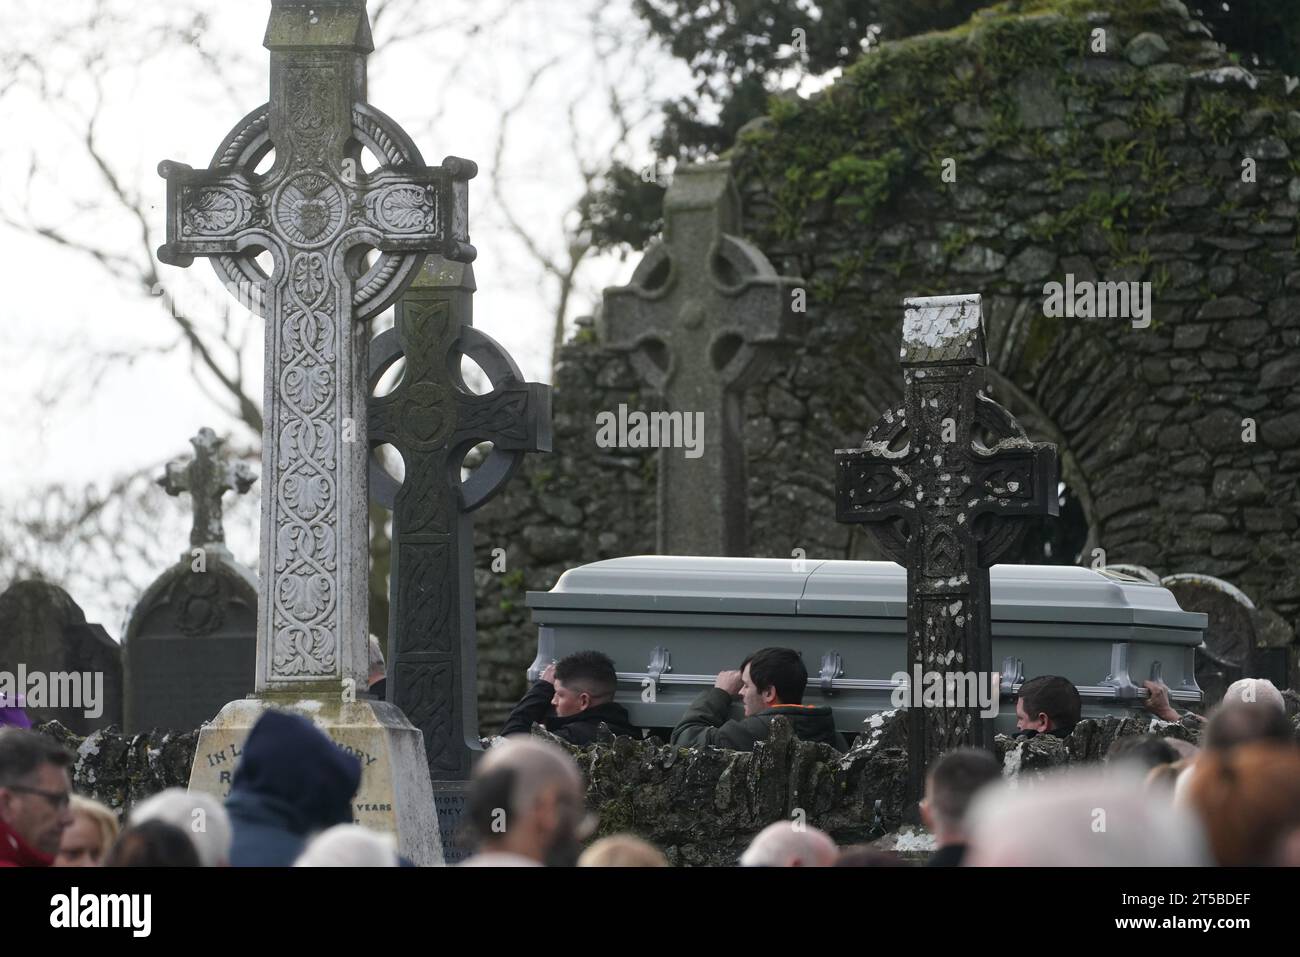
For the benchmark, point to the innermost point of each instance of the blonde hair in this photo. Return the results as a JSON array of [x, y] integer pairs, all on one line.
[[622, 850], [102, 817]]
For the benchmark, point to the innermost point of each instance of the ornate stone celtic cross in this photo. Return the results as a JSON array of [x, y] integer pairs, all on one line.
[[207, 476], [433, 420], [702, 318], [946, 505], [318, 213]]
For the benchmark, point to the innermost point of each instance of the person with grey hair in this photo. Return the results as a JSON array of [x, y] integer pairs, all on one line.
[[790, 844], [1082, 819], [526, 803], [377, 677], [349, 845], [1255, 690], [201, 816], [35, 793]]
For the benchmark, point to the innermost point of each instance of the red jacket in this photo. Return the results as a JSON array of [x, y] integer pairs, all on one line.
[[15, 852]]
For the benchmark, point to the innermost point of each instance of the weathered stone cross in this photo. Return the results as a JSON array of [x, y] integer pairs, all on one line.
[[433, 420], [317, 212], [702, 318], [207, 477], [946, 506]]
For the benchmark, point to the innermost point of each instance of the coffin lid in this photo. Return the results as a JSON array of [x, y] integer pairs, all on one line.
[[818, 588]]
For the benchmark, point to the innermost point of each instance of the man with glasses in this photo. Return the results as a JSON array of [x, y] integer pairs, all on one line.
[[35, 790]]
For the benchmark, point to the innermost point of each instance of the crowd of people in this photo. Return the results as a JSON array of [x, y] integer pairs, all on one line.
[[1234, 799]]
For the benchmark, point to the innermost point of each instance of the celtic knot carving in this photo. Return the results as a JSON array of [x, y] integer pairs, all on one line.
[[1009, 483], [305, 573], [428, 691], [504, 415], [315, 211]]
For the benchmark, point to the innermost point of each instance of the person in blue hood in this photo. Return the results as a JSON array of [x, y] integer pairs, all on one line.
[[291, 782]]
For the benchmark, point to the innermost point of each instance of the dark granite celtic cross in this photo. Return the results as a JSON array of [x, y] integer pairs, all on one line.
[[432, 419], [318, 213], [207, 477], [946, 506], [702, 318]]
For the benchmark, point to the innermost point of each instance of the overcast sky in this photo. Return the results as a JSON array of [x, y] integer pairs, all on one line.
[[61, 306], [161, 99]]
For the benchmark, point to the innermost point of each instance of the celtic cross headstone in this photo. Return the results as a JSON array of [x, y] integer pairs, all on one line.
[[207, 477], [433, 419], [191, 641], [945, 504], [319, 214], [702, 319]]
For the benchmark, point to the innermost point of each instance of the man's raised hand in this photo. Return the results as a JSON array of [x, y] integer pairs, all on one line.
[[729, 681]]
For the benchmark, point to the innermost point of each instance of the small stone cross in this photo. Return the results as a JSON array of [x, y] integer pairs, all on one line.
[[207, 476]]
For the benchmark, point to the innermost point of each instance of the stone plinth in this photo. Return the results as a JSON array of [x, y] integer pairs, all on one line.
[[394, 795]]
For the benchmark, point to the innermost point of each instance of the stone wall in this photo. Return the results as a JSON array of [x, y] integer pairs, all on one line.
[[701, 806], [1123, 165], [119, 770]]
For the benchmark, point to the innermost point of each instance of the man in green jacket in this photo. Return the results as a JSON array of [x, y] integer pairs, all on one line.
[[770, 682]]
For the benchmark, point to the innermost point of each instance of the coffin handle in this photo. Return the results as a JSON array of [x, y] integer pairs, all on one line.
[[545, 653], [660, 664], [832, 668], [1119, 679], [1013, 674]]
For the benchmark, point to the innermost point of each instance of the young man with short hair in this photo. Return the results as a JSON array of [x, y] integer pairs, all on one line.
[[573, 697], [951, 785], [1048, 704], [770, 684]]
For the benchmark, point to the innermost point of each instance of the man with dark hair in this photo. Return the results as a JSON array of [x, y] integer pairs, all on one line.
[[35, 793], [573, 697], [1048, 704], [770, 684], [952, 783]]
